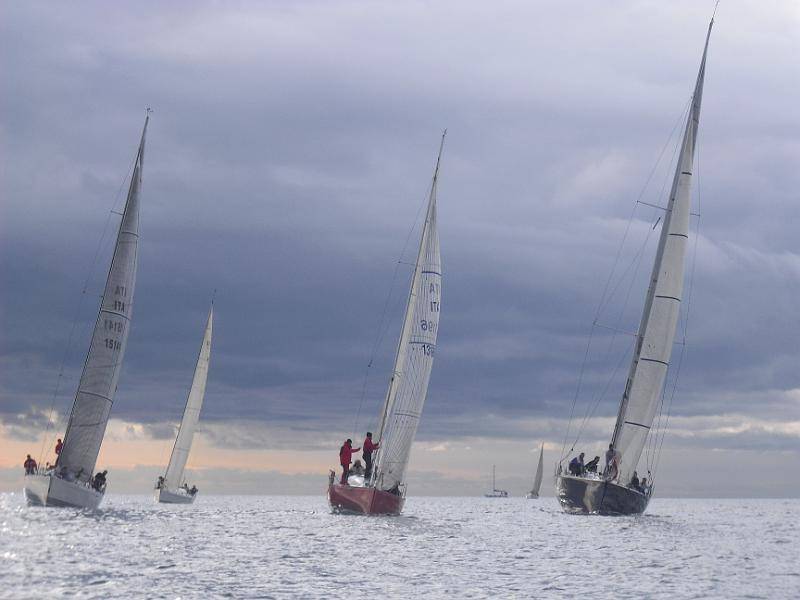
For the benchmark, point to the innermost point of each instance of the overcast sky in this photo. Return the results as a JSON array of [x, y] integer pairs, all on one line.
[[289, 152]]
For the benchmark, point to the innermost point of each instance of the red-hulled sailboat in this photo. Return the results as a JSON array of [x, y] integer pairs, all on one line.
[[383, 492]]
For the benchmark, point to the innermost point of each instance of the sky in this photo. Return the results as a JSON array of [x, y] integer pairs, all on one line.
[[289, 153]]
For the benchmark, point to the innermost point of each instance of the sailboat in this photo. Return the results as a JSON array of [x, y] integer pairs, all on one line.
[[616, 492], [495, 493], [384, 492], [171, 487], [70, 481], [537, 480]]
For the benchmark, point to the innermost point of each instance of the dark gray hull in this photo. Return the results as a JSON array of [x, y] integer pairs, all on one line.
[[591, 496]]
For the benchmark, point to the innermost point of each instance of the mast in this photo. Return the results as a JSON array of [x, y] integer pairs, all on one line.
[[191, 412], [659, 320], [98, 384], [408, 384]]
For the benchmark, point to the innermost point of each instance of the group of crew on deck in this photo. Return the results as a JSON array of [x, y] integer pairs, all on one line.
[[161, 484], [578, 468], [98, 482], [346, 457]]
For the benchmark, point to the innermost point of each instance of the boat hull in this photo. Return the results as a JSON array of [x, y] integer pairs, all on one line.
[[531, 496], [174, 497], [49, 490], [364, 500], [595, 496]]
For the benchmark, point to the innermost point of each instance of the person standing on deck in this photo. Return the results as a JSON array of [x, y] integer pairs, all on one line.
[[30, 465], [346, 457], [59, 447], [368, 447]]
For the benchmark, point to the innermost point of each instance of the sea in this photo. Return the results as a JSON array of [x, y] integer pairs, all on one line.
[[293, 547]]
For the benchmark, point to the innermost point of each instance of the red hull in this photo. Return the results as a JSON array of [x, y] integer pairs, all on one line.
[[364, 500]]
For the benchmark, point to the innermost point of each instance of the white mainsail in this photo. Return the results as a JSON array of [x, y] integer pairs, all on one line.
[[537, 480], [191, 414], [98, 383], [408, 386], [656, 331]]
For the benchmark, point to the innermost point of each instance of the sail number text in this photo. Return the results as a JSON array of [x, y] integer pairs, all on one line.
[[427, 325]]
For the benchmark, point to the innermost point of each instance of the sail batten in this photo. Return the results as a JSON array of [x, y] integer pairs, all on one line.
[[98, 382], [658, 325], [191, 414], [408, 385]]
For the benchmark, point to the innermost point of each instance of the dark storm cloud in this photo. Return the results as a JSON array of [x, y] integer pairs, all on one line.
[[291, 149]]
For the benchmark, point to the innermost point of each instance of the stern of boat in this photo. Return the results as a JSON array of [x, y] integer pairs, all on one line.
[[578, 495], [363, 500]]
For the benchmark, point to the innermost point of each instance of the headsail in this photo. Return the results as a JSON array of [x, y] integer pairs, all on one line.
[[191, 414], [98, 384], [408, 386], [656, 332]]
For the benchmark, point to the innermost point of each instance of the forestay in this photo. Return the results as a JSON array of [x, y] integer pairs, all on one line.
[[98, 383], [408, 386], [656, 331], [191, 414]]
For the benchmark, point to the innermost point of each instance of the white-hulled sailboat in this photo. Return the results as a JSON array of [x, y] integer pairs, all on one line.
[[70, 482], [384, 492], [171, 487], [616, 491], [495, 493], [537, 480]]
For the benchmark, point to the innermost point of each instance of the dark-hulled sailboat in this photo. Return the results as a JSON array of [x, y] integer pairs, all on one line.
[[70, 482], [384, 492], [616, 492]]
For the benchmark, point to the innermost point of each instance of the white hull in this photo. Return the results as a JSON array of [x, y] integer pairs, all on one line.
[[48, 490], [532, 496], [174, 497]]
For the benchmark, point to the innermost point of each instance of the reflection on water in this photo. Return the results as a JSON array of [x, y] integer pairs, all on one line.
[[246, 547]]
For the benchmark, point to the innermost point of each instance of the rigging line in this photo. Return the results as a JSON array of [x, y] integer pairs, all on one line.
[[602, 395], [603, 296], [381, 331], [639, 197], [79, 305]]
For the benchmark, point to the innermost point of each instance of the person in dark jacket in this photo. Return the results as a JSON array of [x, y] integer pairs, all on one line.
[[99, 482], [346, 457], [30, 465], [591, 466], [368, 448], [634, 481]]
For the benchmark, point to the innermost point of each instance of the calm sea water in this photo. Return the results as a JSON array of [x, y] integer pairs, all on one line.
[[279, 547]]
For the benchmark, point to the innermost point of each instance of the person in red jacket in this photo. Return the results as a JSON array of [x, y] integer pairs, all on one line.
[[30, 465], [346, 457], [369, 447], [59, 447]]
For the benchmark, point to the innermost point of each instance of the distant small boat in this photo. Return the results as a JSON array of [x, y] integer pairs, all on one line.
[[384, 492], [70, 482], [617, 492], [171, 488], [537, 480], [495, 493]]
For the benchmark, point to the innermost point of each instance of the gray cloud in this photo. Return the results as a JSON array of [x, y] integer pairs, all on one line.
[[290, 150]]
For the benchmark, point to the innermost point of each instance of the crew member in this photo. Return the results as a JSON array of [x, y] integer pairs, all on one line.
[[368, 448], [59, 448], [30, 465], [100, 481], [591, 466], [346, 457]]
